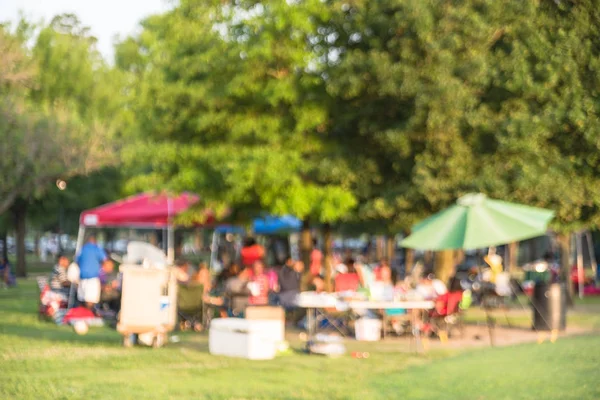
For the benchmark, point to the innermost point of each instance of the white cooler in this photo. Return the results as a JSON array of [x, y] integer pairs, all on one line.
[[251, 339], [368, 329]]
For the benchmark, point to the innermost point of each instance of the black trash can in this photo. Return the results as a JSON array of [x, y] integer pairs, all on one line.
[[549, 304]]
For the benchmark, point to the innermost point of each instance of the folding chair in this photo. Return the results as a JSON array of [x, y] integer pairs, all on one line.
[[446, 314], [190, 306]]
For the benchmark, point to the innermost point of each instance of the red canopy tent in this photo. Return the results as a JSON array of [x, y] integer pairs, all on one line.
[[142, 210], [145, 210]]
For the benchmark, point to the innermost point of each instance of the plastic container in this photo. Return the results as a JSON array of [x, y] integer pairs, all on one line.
[[250, 339], [368, 329], [549, 304]]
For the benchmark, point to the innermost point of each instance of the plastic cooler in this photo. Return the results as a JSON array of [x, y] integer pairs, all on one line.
[[368, 329], [251, 339]]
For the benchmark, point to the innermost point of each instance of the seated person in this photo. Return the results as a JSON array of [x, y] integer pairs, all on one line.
[[318, 283], [202, 277], [217, 293], [348, 281], [316, 260], [58, 278], [238, 293], [290, 277], [110, 284], [383, 265], [5, 273], [182, 268], [384, 274], [259, 285], [430, 288]]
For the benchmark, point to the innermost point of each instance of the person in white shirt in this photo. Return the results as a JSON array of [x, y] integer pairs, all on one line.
[[430, 288]]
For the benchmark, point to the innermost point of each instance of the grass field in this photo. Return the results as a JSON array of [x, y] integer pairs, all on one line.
[[39, 360]]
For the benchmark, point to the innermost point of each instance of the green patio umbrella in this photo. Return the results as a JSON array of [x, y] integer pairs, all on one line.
[[475, 222]]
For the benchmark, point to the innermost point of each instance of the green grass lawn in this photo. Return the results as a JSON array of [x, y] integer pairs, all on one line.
[[584, 314], [39, 360]]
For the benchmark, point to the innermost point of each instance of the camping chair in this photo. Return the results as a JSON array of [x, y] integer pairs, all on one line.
[[446, 314], [43, 286], [190, 306], [51, 305]]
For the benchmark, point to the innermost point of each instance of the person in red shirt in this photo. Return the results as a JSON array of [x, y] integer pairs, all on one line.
[[383, 264], [259, 285], [251, 252], [349, 281]]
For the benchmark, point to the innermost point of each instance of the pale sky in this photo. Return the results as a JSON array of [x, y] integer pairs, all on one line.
[[106, 18]]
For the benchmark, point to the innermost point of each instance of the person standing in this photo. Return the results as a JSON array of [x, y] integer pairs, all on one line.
[[5, 276], [90, 261], [316, 260], [251, 252], [290, 277], [238, 293], [259, 285]]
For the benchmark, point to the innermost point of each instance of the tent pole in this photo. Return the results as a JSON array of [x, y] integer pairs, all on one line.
[[170, 244], [580, 274], [80, 238], [170, 232], [213, 250]]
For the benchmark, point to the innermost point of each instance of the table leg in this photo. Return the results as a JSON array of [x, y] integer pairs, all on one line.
[[384, 324], [416, 330]]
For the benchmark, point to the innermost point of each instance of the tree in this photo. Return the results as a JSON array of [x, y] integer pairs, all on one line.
[[48, 128], [226, 92], [443, 98]]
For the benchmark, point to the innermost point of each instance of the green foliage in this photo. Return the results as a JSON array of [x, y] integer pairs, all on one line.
[[234, 111], [452, 97], [372, 113], [58, 103]]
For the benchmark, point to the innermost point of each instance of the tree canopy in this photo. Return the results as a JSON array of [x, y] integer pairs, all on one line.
[[365, 113], [54, 116]]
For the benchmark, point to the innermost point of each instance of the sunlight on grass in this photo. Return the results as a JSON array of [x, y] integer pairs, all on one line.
[[42, 361]]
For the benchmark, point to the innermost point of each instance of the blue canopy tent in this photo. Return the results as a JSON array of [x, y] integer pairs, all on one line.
[[271, 225], [267, 225]]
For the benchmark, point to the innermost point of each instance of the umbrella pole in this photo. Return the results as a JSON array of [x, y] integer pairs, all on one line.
[[490, 322], [170, 232]]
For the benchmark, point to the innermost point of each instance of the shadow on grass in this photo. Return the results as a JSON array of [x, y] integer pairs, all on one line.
[[43, 331]]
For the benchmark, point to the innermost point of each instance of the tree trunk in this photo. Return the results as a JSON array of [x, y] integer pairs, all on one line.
[[20, 215], [513, 254], [427, 260], [36, 243], [178, 243], [328, 256], [564, 244], [306, 249], [198, 240], [459, 256], [3, 236], [380, 243], [532, 250], [153, 238], [409, 260], [444, 265], [61, 218], [391, 249]]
